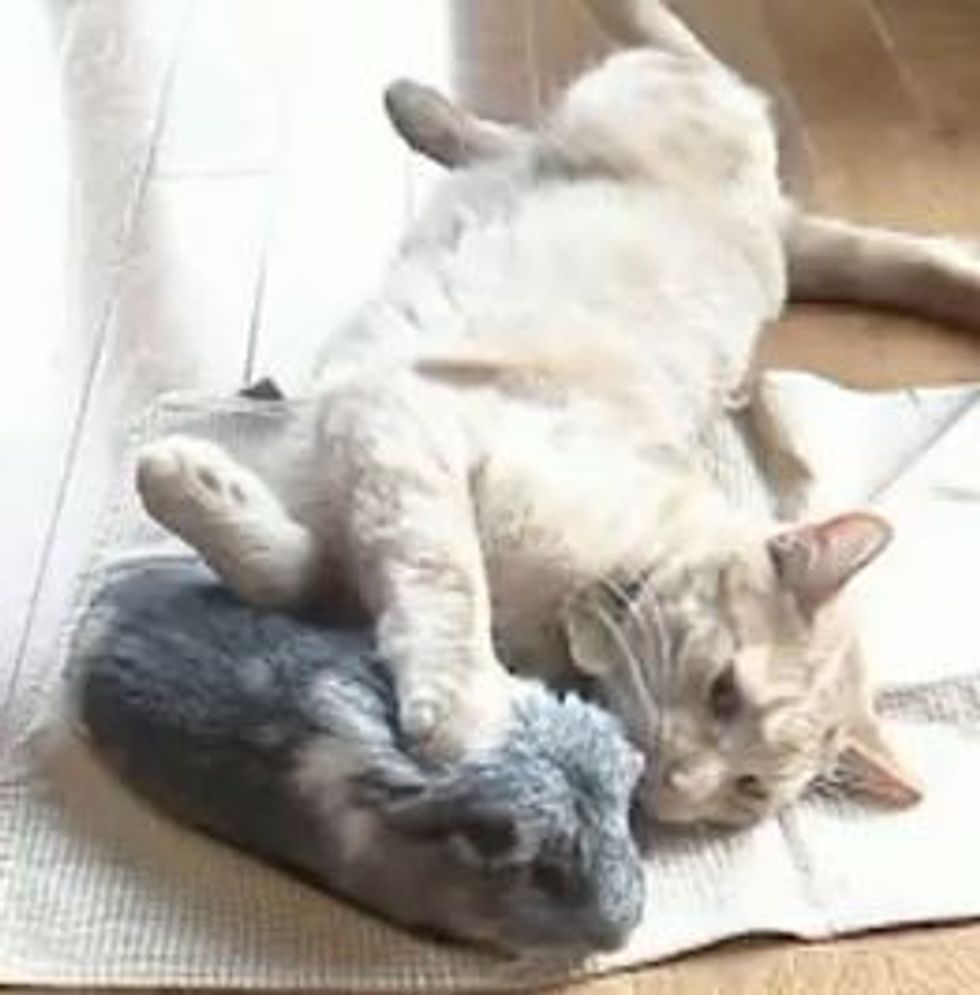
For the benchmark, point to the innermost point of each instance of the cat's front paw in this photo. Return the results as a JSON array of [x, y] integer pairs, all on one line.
[[446, 724]]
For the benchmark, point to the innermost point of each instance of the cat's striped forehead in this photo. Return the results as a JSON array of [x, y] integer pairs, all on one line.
[[732, 608]]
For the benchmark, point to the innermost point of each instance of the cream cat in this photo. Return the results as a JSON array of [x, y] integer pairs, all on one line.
[[498, 464]]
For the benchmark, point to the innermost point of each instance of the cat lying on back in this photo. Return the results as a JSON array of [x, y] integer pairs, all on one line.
[[498, 466]]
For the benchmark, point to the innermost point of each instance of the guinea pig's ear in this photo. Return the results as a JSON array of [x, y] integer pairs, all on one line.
[[388, 787], [491, 837], [437, 812]]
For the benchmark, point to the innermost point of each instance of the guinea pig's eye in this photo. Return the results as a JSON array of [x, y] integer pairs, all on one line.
[[491, 836], [724, 697], [751, 786], [550, 878]]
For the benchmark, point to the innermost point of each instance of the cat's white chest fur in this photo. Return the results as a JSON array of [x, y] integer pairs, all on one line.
[[555, 503]]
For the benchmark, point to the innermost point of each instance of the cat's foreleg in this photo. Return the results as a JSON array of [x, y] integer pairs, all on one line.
[[231, 517], [836, 261], [401, 472]]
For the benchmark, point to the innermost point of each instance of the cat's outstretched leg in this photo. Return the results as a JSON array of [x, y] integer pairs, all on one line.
[[231, 517], [832, 260], [650, 23]]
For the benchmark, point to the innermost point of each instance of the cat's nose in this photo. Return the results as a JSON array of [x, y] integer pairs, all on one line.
[[680, 779], [694, 779], [684, 789]]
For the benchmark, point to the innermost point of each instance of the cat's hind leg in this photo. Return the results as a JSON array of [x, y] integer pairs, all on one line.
[[445, 132], [231, 517], [836, 261], [650, 23]]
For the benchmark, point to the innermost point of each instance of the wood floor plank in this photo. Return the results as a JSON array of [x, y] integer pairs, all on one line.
[[875, 157], [935, 45], [565, 41], [344, 192], [74, 175], [180, 319], [226, 110], [34, 191], [864, 129], [492, 56], [740, 34], [118, 64], [872, 351]]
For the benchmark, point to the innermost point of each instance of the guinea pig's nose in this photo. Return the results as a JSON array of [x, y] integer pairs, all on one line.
[[609, 935], [620, 900]]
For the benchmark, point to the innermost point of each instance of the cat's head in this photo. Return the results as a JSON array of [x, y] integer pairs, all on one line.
[[739, 675]]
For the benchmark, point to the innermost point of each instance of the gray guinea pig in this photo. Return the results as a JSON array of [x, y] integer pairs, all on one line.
[[279, 736]]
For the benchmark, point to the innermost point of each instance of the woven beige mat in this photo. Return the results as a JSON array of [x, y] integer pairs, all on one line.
[[95, 889]]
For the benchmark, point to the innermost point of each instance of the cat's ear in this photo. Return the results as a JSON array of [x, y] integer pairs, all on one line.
[[587, 616], [816, 560], [870, 766]]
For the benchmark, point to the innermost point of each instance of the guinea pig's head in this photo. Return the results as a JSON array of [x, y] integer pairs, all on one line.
[[532, 839]]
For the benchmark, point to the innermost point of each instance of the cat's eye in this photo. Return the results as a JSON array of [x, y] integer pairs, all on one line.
[[831, 738], [724, 697], [750, 786]]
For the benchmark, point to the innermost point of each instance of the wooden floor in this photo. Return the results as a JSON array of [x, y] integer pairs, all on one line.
[[225, 188]]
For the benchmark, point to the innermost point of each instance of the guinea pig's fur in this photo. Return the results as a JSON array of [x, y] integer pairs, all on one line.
[[279, 736]]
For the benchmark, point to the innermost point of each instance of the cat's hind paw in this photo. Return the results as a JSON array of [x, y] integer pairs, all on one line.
[[187, 483], [231, 517]]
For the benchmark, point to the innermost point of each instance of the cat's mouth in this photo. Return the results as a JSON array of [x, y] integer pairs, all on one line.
[[658, 803]]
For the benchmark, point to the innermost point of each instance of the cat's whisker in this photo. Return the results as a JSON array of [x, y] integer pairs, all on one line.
[[635, 673], [657, 644], [657, 634], [628, 600]]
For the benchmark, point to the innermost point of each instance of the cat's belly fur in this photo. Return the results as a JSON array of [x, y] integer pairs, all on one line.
[[565, 487], [559, 501], [592, 326], [669, 287]]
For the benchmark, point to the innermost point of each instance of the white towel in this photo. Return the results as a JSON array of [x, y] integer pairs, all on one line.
[[95, 889]]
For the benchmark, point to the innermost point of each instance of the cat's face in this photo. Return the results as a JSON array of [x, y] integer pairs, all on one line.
[[739, 675]]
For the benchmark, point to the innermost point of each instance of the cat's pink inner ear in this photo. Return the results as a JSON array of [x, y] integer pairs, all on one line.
[[872, 768], [816, 560]]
